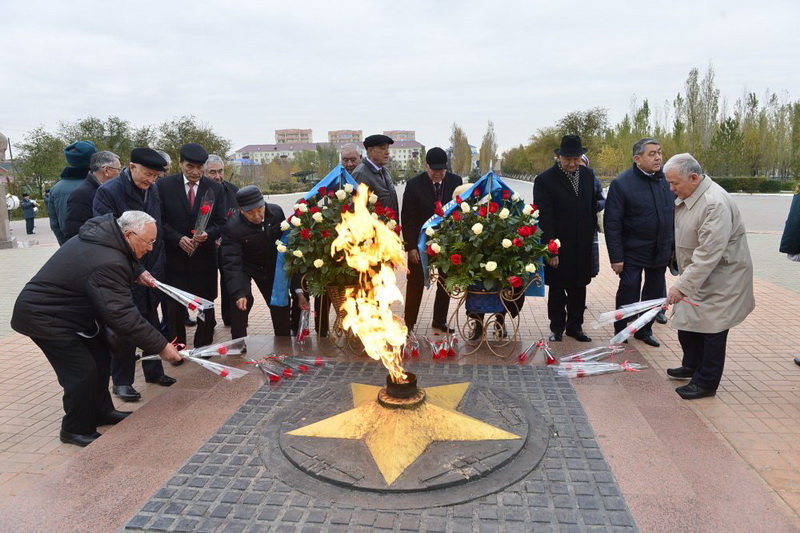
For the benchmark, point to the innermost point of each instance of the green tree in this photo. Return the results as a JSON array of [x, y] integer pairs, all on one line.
[[487, 155], [179, 131], [41, 160], [518, 161], [725, 156], [543, 144], [462, 153], [589, 124], [794, 162]]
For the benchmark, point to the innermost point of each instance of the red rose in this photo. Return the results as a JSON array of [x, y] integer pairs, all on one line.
[[325, 234], [437, 209], [455, 259], [476, 193], [331, 194], [391, 213], [482, 211], [515, 281], [456, 216], [315, 209], [345, 208], [459, 200], [222, 350], [506, 194], [302, 201], [533, 206], [298, 213], [430, 251], [398, 229], [533, 229], [223, 373], [517, 242], [524, 231], [205, 209], [322, 191], [305, 233], [552, 247], [379, 210], [493, 207]]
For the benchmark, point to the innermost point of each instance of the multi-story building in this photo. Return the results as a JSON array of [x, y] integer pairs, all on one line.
[[339, 137], [401, 135], [293, 136], [263, 154], [401, 152]]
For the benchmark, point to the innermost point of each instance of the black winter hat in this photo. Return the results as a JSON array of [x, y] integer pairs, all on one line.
[[249, 197]]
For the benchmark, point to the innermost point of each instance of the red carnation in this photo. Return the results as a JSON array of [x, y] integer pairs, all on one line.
[[482, 211], [552, 247], [430, 251], [437, 209], [205, 209], [305, 233], [456, 216], [506, 194], [322, 191], [325, 234], [493, 207], [517, 242], [380, 210], [455, 259], [515, 281]]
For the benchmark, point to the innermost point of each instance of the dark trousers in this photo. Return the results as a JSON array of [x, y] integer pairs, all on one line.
[[280, 315], [82, 369], [630, 291], [565, 308], [123, 362], [29, 225], [705, 352], [415, 284], [176, 319], [225, 296], [322, 311]]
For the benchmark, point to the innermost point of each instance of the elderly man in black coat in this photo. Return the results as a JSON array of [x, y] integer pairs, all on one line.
[[374, 173], [191, 258], [82, 290], [565, 196], [423, 194], [249, 254], [103, 166], [639, 230], [134, 190]]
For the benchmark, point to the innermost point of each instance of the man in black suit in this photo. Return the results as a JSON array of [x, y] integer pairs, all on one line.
[[191, 257], [565, 196], [424, 195]]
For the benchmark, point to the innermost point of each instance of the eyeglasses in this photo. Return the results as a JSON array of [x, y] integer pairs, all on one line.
[[148, 243], [113, 168]]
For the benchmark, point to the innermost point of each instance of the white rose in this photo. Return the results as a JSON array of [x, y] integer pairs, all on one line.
[[527, 210], [477, 229], [317, 217], [348, 188], [436, 248], [506, 243], [515, 197], [341, 195], [530, 267], [284, 225], [429, 232], [297, 253], [281, 247], [318, 263], [503, 214], [303, 208], [558, 243], [374, 215], [373, 198], [491, 266], [296, 221], [391, 225], [536, 214], [465, 207]]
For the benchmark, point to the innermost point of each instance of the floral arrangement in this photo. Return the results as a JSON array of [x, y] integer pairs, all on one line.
[[493, 241], [312, 230]]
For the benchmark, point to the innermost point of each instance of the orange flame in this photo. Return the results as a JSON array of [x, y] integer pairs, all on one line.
[[372, 249]]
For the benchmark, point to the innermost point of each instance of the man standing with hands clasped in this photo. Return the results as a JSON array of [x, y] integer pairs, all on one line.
[[714, 291]]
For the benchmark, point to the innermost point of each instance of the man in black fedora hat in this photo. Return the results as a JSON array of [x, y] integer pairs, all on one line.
[[374, 173], [567, 205]]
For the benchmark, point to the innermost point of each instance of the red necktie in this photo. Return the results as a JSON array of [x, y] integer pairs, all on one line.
[[191, 195]]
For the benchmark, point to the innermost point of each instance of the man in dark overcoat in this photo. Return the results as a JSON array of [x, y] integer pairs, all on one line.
[[423, 194], [565, 196], [374, 173], [249, 254], [215, 169], [103, 166], [191, 258], [134, 190], [639, 230], [83, 289]]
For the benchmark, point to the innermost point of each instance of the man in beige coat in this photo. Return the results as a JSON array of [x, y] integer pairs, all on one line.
[[714, 291]]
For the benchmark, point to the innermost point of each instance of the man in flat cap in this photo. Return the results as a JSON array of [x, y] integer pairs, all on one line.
[[133, 190], [103, 166], [78, 155], [249, 253], [191, 257], [423, 194], [567, 203], [374, 173]]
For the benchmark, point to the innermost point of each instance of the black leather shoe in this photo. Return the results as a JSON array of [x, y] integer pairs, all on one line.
[[114, 417], [681, 372], [693, 392], [126, 392], [163, 380], [442, 326], [579, 336], [661, 317], [648, 340], [78, 439], [190, 323], [554, 337]]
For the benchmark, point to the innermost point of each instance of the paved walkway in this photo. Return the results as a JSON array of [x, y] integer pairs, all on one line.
[[754, 419]]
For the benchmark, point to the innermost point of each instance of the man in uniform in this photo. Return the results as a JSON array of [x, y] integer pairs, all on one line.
[[374, 173]]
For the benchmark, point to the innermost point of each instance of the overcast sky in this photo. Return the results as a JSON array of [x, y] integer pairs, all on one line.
[[250, 67]]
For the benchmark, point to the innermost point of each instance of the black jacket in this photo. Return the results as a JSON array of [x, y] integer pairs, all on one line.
[[86, 283], [419, 200], [196, 273], [249, 251], [569, 218], [790, 241], [231, 205], [639, 219], [79, 206]]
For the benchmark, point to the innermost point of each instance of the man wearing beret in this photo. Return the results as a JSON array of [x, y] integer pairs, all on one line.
[[248, 253], [423, 193], [191, 258], [374, 173], [565, 196], [78, 155], [133, 190]]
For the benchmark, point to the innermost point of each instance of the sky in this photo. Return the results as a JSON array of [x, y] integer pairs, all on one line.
[[247, 68]]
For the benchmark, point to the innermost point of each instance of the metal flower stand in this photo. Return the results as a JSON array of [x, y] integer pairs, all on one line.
[[337, 334]]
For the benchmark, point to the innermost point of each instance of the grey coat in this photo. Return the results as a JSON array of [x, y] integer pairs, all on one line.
[[379, 182]]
